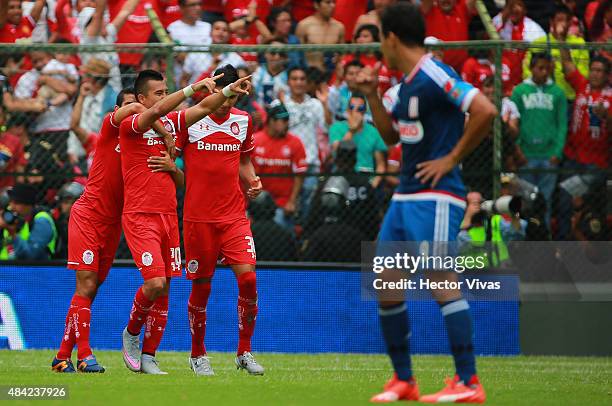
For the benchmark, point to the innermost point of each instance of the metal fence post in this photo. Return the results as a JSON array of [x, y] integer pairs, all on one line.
[[497, 125], [170, 81]]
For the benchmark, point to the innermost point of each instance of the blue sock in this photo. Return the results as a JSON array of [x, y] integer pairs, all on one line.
[[459, 326], [396, 331]]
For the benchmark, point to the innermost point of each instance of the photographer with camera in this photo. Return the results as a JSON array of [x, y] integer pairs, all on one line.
[[28, 231], [488, 226]]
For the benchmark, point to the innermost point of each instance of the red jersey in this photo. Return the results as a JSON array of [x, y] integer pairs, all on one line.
[[395, 156], [450, 27], [300, 9], [104, 190], [587, 141], [279, 156], [386, 77], [263, 8], [211, 150], [170, 12], [347, 12], [214, 6], [9, 33], [249, 40], [146, 191], [136, 30]]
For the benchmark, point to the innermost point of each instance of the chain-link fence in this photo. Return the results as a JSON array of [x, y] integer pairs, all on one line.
[[330, 180]]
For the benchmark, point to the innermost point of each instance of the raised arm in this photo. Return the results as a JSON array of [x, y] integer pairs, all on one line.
[[169, 103], [426, 6], [75, 117], [214, 101], [59, 85], [367, 82], [37, 10], [3, 12], [121, 17], [95, 26]]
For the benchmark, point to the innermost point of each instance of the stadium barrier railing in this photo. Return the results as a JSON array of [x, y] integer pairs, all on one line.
[[484, 170]]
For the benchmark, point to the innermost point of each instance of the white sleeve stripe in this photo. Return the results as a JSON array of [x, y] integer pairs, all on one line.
[[112, 121], [250, 149], [134, 129], [436, 73], [467, 100], [178, 124]]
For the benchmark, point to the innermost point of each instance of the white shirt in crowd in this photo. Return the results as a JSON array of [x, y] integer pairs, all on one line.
[[306, 119], [197, 34], [268, 87], [56, 118], [531, 29], [198, 62], [111, 57]]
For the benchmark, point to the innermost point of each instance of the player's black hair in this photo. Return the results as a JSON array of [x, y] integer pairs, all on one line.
[[406, 22], [230, 75], [373, 29], [122, 93], [354, 62], [274, 13], [601, 59], [561, 8], [294, 68], [140, 84], [535, 57]]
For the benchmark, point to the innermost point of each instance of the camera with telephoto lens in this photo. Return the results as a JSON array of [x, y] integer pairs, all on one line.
[[8, 216], [525, 199]]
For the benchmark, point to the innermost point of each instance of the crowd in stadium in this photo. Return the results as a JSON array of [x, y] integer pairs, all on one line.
[[309, 119]]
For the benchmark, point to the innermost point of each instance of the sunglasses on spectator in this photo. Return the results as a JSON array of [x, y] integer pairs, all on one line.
[[361, 108], [277, 53]]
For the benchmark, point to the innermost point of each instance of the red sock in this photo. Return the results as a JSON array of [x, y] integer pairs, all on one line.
[[138, 315], [156, 325], [247, 310], [69, 339], [196, 309], [82, 320]]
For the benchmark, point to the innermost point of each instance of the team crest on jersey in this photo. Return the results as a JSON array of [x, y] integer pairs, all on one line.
[[260, 150], [286, 151], [88, 257], [118, 148], [147, 258], [411, 132], [235, 128], [192, 266], [168, 127]]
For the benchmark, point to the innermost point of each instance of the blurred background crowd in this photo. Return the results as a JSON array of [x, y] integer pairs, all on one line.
[[327, 173]]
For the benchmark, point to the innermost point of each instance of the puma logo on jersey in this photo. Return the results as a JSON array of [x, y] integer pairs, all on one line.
[[207, 146]]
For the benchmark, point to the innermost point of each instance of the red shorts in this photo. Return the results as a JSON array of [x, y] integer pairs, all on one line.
[[154, 242], [206, 242], [92, 243]]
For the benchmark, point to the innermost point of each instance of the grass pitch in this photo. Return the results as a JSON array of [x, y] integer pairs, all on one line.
[[322, 379]]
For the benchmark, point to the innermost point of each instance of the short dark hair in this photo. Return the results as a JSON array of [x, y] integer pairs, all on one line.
[[537, 56], [405, 21], [602, 60], [230, 75], [358, 95], [373, 29], [294, 68], [274, 13], [355, 62], [489, 81], [561, 9], [122, 93], [143, 78]]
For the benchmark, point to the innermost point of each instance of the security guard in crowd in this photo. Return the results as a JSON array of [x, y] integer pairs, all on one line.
[[28, 231], [486, 236]]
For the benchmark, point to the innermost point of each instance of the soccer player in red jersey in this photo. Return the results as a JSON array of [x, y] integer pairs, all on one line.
[[94, 230], [216, 151], [149, 213]]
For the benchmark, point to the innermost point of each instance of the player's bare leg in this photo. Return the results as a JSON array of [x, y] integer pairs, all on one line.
[[395, 327], [464, 387], [196, 308], [247, 314], [154, 330], [77, 327], [143, 302]]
